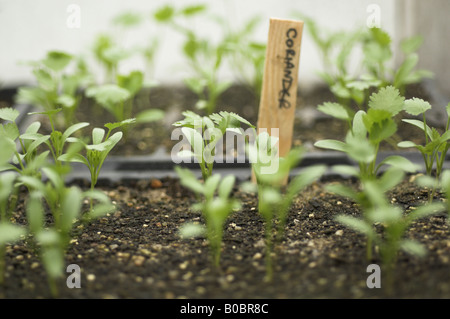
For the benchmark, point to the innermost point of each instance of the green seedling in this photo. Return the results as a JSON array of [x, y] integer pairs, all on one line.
[[133, 83], [56, 87], [377, 54], [97, 152], [437, 184], [118, 98], [203, 134], [394, 222], [203, 57], [352, 82], [56, 141], [128, 19], [247, 56], [436, 145], [215, 208], [365, 196], [275, 201], [109, 54], [9, 233], [65, 204], [26, 159], [112, 97], [368, 131]]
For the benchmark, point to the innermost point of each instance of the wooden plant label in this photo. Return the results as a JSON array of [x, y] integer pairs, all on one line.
[[279, 87]]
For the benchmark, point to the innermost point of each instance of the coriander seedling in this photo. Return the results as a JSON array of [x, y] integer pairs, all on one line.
[[97, 152], [57, 88], [203, 57], [436, 145], [393, 220], [9, 233], [203, 134], [215, 208], [274, 202], [65, 204], [368, 131], [247, 56]]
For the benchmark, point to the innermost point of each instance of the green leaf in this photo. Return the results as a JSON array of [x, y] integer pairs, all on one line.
[[148, 116], [400, 162], [445, 180], [164, 14], [357, 225], [189, 180], [35, 213], [426, 210], [115, 54], [193, 9], [387, 99], [270, 196], [66, 100], [45, 79], [390, 178], [34, 96], [127, 19], [210, 186], [405, 70], [8, 114], [49, 113], [359, 128], [54, 177], [112, 126], [191, 230], [195, 139], [36, 143], [382, 130], [73, 128], [76, 158], [383, 213], [413, 247], [53, 260], [57, 60], [343, 191], [100, 210], [331, 145], [416, 106], [196, 85], [70, 208], [346, 170], [226, 186], [411, 44], [10, 233], [407, 144], [420, 125], [9, 130], [335, 110], [359, 149], [132, 82], [108, 95]]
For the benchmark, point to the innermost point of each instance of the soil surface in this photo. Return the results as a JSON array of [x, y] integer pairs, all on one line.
[[136, 251]]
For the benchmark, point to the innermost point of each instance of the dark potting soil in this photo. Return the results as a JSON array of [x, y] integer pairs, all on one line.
[[136, 252], [309, 125]]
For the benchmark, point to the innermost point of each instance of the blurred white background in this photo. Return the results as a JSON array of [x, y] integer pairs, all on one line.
[[29, 29]]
